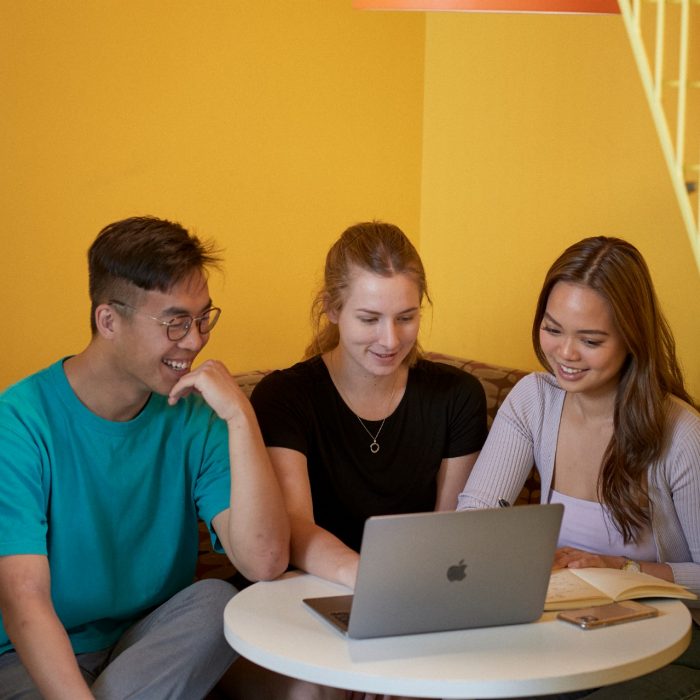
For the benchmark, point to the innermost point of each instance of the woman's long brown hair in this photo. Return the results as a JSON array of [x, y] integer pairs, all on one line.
[[651, 373]]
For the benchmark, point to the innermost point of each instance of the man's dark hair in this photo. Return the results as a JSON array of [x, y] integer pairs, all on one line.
[[144, 252]]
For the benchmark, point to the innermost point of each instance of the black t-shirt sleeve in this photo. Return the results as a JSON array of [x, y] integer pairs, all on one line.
[[280, 406], [467, 416]]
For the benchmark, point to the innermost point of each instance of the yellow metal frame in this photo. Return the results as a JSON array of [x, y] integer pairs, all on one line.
[[653, 83]]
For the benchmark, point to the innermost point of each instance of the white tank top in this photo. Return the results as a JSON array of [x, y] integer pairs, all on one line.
[[588, 526]]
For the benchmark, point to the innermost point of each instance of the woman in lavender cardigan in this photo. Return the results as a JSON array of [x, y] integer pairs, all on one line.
[[612, 432]]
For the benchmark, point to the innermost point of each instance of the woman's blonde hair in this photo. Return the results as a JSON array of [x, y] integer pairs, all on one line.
[[377, 247]]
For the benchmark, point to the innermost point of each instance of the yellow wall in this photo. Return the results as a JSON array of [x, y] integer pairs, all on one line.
[[537, 134], [272, 125], [269, 126]]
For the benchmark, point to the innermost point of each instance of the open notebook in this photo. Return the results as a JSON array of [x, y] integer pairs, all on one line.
[[430, 572]]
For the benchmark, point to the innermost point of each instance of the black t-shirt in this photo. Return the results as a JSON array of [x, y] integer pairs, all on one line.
[[441, 414]]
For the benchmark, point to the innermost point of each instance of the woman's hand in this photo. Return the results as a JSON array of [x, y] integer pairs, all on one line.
[[570, 558]]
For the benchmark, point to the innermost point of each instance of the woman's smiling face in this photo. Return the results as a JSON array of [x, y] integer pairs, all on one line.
[[379, 321], [578, 336]]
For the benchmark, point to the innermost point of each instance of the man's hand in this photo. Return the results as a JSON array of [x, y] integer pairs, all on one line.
[[35, 630], [215, 384]]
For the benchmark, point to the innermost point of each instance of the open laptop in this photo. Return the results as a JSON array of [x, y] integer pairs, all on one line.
[[430, 572]]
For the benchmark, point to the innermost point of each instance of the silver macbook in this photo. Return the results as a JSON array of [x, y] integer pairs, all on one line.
[[430, 572]]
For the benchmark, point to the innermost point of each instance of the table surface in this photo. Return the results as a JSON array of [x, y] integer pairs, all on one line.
[[269, 624]]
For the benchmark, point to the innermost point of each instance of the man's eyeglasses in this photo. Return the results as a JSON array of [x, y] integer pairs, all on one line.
[[179, 326]]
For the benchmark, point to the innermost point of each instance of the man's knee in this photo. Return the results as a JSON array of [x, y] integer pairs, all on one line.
[[214, 589], [210, 596]]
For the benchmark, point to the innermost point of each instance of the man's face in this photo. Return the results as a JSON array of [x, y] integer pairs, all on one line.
[[146, 357]]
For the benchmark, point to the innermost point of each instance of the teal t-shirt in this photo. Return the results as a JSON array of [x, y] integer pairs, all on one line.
[[114, 505]]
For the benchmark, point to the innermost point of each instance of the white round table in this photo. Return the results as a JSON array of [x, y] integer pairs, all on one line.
[[269, 624]]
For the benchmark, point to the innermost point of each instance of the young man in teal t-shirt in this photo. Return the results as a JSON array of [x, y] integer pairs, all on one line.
[[109, 458]]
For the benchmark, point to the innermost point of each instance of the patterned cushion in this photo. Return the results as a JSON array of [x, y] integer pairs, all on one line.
[[211, 564], [248, 380], [497, 382]]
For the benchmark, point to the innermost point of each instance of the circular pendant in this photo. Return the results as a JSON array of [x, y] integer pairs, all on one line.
[[374, 447]]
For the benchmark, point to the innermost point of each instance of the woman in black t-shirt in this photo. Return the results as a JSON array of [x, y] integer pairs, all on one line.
[[364, 426]]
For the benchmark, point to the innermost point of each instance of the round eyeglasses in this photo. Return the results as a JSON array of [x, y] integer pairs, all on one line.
[[179, 326]]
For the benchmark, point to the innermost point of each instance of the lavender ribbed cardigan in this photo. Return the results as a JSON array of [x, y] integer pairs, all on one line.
[[525, 431]]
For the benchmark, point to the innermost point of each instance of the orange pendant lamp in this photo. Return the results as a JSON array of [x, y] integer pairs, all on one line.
[[609, 7]]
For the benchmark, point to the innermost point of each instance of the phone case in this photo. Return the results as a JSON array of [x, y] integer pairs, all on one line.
[[611, 614]]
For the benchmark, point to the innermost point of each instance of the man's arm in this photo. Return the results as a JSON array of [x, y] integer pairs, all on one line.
[[35, 630], [254, 531]]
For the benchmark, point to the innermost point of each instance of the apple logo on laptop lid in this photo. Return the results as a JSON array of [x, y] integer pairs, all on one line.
[[457, 572]]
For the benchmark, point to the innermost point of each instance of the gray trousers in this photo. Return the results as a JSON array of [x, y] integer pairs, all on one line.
[[176, 652]]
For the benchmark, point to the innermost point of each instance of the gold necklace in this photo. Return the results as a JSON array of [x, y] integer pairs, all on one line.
[[374, 445]]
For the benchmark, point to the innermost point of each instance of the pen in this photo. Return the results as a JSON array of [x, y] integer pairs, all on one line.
[[502, 503]]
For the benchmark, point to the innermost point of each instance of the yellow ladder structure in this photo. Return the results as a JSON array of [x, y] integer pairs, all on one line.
[[665, 40]]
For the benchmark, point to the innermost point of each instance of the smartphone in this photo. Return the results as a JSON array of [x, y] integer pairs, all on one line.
[[611, 614]]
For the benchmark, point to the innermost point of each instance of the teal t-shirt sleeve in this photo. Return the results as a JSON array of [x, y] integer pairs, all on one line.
[[213, 483], [23, 479]]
